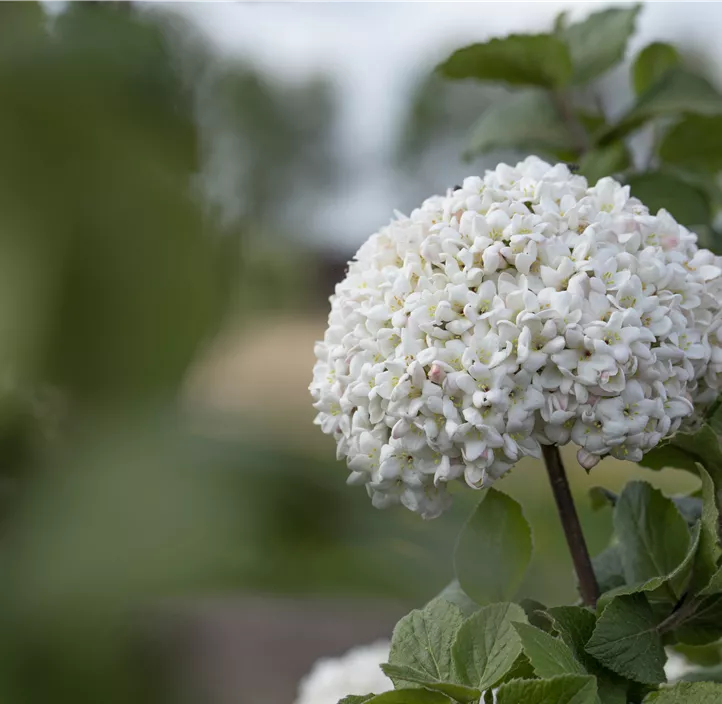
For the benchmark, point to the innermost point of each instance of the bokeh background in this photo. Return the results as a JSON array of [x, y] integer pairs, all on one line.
[[180, 187]]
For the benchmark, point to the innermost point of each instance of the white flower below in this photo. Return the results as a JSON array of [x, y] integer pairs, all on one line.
[[356, 672], [525, 308]]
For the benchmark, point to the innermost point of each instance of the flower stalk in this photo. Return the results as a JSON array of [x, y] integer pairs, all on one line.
[[588, 586]]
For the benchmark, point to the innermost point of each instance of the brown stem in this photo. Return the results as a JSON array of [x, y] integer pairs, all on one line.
[[570, 522]]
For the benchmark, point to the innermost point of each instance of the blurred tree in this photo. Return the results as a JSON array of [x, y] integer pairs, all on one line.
[[268, 145]]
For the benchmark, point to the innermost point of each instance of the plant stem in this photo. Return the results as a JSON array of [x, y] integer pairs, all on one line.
[[570, 522]]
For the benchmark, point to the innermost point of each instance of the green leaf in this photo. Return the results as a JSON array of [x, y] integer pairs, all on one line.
[[664, 587], [575, 625], [356, 699], [409, 696], [708, 554], [651, 64], [519, 59], [686, 450], [626, 640], [566, 689], [605, 161], [608, 568], [678, 91], [494, 549], [690, 507], [404, 673], [599, 42], [536, 613], [704, 625], [714, 586], [521, 669], [422, 640], [527, 121], [694, 143], [653, 537], [658, 189], [487, 645], [687, 693], [548, 655]]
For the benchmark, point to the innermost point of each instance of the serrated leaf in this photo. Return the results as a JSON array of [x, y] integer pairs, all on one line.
[[566, 689], [694, 143], [606, 160], [678, 91], [687, 693], [575, 625], [599, 42], [356, 699], [487, 645], [626, 640], [608, 568], [521, 669], [651, 64], [653, 537], [549, 656], [409, 696], [657, 189], [518, 59], [422, 640], [493, 550], [458, 692], [526, 121]]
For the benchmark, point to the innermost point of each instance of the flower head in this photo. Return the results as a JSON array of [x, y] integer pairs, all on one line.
[[522, 309], [356, 672]]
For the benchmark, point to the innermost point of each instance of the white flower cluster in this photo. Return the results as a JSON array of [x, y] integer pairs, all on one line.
[[356, 672], [522, 308]]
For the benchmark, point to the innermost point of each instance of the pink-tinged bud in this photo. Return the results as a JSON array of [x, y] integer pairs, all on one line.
[[401, 427], [587, 459], [437, 374]]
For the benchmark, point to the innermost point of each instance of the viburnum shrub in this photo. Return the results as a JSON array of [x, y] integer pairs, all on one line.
[[537, 306], [523, 311]]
